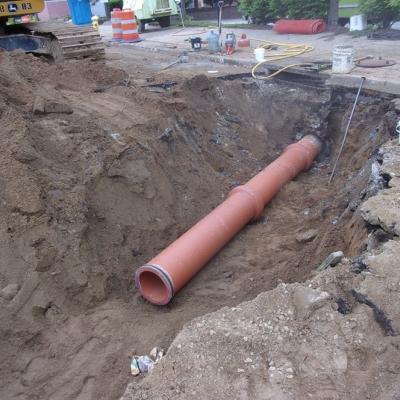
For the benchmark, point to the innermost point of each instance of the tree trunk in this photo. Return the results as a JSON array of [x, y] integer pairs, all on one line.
[[386, 20], [183, 8], [333, 14]]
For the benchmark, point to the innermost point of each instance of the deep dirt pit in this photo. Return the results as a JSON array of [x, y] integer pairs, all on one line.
[[118, 171]]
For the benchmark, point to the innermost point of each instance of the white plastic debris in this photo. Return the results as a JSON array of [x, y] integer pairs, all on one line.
[[398, 130], [134, 367], [156, 354], [145, 364]]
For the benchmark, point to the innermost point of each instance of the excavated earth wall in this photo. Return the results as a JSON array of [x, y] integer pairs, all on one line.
[[100, 170]]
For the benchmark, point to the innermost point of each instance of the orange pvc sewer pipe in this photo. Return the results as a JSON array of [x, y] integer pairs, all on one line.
[[164, 275]]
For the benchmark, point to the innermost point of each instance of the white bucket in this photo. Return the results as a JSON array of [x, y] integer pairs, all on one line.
[[358, 23], [259, 54], [342, 59]]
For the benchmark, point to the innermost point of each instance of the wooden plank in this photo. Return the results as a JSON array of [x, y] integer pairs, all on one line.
[[73, 29], [80, 45], [76, 38], [94, 51], [54, 27]]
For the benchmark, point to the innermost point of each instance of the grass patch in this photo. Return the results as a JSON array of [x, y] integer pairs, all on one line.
[[211, 24], [199, 24], [243, 26]]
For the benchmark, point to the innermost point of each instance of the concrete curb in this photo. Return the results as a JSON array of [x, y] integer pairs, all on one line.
[[219, 59], [374, 84]]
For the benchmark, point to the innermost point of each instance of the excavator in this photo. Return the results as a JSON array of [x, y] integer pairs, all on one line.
[[56, 40]]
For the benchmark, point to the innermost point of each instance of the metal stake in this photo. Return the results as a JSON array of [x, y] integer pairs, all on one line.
[[220, 5], [179, 4], [180, 13], [347, 129]]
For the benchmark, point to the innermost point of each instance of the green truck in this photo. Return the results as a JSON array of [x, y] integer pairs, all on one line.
[[152, 10]]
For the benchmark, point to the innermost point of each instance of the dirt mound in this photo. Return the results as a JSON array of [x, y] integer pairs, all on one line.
[[333, 337], [100, 170]]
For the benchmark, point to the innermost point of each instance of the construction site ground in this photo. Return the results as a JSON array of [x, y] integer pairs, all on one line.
[[174, 41], [105, 164]]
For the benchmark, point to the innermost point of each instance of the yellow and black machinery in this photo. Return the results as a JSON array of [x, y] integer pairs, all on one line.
[[58, 40]]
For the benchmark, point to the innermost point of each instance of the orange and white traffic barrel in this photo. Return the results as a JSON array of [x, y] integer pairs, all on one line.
[[129, 27], [116, 24]]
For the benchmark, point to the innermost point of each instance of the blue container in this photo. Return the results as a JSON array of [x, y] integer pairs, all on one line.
[[213, 42], [81, 13]]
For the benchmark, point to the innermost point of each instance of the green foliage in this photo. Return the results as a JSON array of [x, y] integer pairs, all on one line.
[[381, 10], [304, 9], [272, 9], [116, 4], [258, 9], [280, 8], [375, 7]]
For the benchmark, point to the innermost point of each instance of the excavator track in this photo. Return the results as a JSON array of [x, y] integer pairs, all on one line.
[[71, 41]]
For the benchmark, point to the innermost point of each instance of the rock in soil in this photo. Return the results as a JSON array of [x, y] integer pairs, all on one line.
[[38, 105], [57, 108], [10, 291], [307, 236]]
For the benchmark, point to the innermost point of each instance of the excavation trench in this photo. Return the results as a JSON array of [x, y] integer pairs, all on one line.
[[116, 187]]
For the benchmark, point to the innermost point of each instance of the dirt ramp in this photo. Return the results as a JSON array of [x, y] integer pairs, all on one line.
[[290, 343]]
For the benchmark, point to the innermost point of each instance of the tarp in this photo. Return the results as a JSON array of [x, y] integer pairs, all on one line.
[[300, 26]]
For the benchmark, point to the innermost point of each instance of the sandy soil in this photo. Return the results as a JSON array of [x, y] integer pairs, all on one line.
[[102, 167]]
